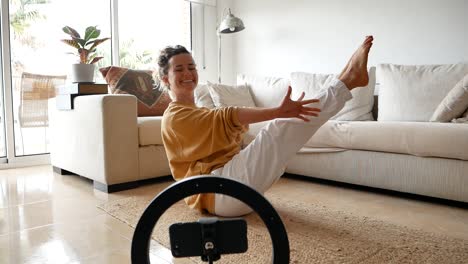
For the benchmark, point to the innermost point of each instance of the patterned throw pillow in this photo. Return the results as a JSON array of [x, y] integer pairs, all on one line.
[[152, 101]]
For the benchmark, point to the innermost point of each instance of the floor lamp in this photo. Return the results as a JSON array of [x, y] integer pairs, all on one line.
[[229, 24]]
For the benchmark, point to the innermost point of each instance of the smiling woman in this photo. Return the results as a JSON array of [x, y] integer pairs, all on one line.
[[202, 141], [176, 67]]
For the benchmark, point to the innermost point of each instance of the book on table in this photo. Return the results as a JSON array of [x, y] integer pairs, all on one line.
[[66, 94], [83, 88]]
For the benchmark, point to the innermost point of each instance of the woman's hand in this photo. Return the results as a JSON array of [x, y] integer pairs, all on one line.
[[288, 109], [297, 109]]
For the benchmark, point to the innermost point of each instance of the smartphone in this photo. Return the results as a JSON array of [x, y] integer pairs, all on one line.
[[229, 236]]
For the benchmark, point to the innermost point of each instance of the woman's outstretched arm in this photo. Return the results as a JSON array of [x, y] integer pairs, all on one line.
[[288, 109]]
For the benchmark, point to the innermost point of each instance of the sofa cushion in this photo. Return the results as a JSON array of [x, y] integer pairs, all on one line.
[[358, 108], [412, 93], [227, 95], [203, 97], [152, 101], [149, 130], [265, 91], [415, 138], [454, 104], [256, 127]]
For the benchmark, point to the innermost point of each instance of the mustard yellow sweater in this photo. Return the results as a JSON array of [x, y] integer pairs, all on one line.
[[198, 141]]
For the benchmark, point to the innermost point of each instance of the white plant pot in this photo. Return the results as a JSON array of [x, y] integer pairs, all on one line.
[[82, 73]]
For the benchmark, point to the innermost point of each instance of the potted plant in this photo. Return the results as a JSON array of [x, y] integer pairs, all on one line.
[[85, 50]]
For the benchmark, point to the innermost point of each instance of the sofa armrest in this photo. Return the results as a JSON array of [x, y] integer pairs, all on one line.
[[98, 139]]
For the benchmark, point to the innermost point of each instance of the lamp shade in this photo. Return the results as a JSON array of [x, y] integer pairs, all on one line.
[[231, 24]]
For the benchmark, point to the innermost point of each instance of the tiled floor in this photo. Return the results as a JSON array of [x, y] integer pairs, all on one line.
[[50, 218]]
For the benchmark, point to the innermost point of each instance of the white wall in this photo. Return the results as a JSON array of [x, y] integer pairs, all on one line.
[[318, 36]]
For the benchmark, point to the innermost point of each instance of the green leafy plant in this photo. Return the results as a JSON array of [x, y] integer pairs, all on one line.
[[86, 46], [22, 14], [133, 58]]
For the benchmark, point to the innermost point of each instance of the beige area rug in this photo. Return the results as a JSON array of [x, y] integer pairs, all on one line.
[[316, 233]]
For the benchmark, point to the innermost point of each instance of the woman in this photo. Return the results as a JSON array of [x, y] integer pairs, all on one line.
[[203, 141]]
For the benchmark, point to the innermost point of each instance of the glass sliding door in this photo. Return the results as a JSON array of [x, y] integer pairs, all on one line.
[[4, 93], [35, 61], [40, 63]]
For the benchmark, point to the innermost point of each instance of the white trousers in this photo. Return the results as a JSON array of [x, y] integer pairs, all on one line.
[[264, 160]]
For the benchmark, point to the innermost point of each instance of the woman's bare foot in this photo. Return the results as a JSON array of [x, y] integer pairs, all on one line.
[[355, 72], [368, 38]]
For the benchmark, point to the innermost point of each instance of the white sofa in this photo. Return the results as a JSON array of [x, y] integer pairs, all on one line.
[[102, 139]]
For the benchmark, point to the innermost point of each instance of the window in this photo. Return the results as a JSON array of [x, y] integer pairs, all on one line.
[[39, 61], [146, 27]]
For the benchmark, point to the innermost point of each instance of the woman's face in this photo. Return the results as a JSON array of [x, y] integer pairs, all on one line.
[[182, 74]]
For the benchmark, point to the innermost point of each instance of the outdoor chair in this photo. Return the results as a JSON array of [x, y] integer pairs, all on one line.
[[35, 90]]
